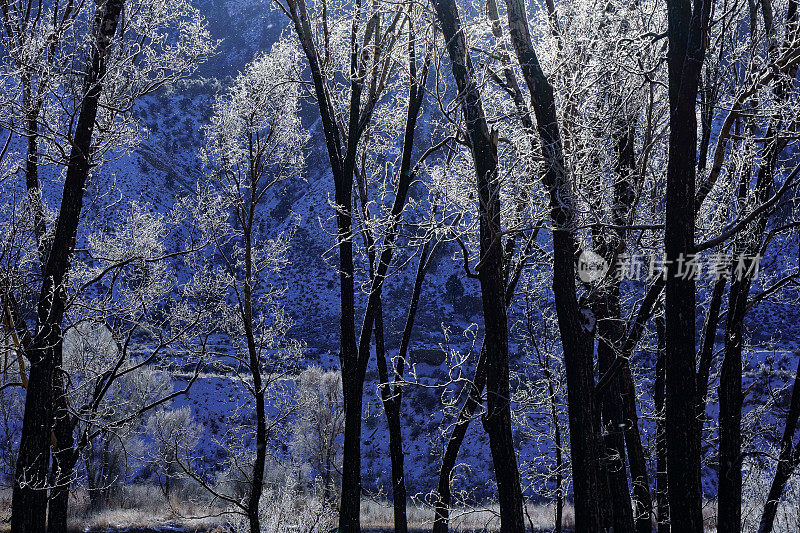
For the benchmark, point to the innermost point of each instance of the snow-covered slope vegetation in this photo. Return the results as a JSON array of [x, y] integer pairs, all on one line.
[[290, 209]]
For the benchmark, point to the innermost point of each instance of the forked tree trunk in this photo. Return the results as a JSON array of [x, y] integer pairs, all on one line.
[[576, 342], [497, 421], [625, 197], [442, 505], [729, 514], [618, 404], [747, 245], [29, 498], [342, 161], [341, 141], [391, 398]]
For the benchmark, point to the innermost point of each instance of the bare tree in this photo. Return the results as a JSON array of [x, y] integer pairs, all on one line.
[[255, 142]]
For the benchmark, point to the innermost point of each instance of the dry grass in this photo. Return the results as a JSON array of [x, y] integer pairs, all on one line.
[[379, 515], [144, 506]]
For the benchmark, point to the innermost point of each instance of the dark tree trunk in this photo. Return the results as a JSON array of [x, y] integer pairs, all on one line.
[[618, 404], [342, 152], [625, 198], [64, 455], [391, 398], [442, 507], [29, 499], [729, 507], [610, 336], [349, 510], [57, 512], [32, 172], [687, 35], [474, 392], [643, 502], [352, 376], [662, 497], [788, 459], [342, 162], [257, 481], [497, 420], [706, 355], [254, 362], [395, 394], [747, 245], [578, 352]]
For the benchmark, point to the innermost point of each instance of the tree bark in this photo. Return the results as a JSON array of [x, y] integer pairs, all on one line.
[[354, 352], [687, 26], [747, 245], [610, 335], [618, 404], [729, 506], [29, 498], [787, 460], [497, 420], [662, 494], [64, 456], [391, 398], [442, 506], [578, 352], [257, 481]]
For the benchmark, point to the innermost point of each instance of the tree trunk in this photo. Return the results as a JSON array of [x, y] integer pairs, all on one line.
[[729, 507], [391, 398], [32, 172], [747, 245], [610, 335], [662, 495], [442, 507], [787, 460], [625, 197], [578, 351], [29, 499], [257, 482], [342, 162], [706, 355], [352, 373], [349, 510], [643, 502], [64, 455], [687, 36], [497, 421], [618, 404]]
